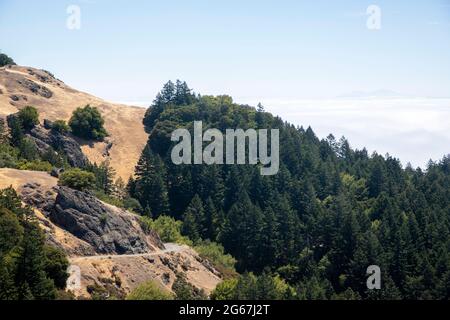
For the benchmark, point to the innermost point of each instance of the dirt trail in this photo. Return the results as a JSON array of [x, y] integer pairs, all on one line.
[[162, 266], [170, 248]]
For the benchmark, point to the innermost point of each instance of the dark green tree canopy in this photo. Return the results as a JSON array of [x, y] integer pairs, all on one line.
[[28, 117], [77, 179], [29, 269], [329, 213], [5, 60], [88, 123]]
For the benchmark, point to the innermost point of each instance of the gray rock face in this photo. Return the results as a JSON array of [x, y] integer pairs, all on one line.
[[40, 198], [36, 88], [108, 229], [58, 141]]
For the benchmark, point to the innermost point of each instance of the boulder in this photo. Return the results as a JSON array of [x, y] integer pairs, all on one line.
[[59, 141], [35, 88], [56, 172], [108, 229]]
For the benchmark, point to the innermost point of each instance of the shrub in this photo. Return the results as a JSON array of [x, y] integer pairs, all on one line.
[[28, 117], [251, 287], [8, 156], [108, 199], [225, 290], [16, 131], [3, 132], [88, 123], [168, 228], [55, 159], [60, 126], [28, 149], [149, 291], [214, 252], [77, 179], [185, 291], [35, 165], [132, 204]]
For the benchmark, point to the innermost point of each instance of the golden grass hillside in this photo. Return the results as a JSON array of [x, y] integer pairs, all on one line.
[[23, 86]]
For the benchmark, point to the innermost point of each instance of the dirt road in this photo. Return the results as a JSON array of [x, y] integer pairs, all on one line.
[[169, 248]]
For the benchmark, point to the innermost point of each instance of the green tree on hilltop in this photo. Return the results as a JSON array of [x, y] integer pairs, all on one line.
[[88, 123], [5, 60]]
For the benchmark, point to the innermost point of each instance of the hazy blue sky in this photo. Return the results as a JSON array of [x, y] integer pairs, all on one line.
[[125, 50], [279, 52]]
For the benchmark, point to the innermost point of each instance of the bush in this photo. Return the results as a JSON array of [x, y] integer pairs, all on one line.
[[185, 291], [5, 60], [55, 159], [28, 149], [60, 126], [28, 117], [88, 123], [77, 179], [214, 252], [132, 204], [8, 156], [168, 228], [225, 290], [16, 131], [35, 165], [108, 199], [149, 291], [251, 287]]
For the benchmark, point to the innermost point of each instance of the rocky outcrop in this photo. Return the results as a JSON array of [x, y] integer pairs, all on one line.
[[38, 197], [93, 234], [35, 88], [108, 229], [45, 139]]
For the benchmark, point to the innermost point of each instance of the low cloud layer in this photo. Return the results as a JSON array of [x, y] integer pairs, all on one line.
[[414, 130]]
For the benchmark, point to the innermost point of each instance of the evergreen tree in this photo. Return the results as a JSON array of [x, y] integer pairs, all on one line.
[[31, 279], [3, 132], [329, 213], [242, 232], [183, 94], [213, 221], [104, 176], [16, 131], [151, 189], [194, 221]]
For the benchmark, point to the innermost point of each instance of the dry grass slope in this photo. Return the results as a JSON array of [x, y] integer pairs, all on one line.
[[17, 178], [22, 86]]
